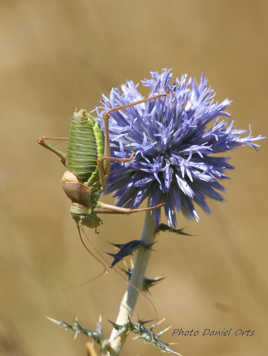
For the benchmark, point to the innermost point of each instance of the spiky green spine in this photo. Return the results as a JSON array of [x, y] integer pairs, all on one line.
[[85, 145]]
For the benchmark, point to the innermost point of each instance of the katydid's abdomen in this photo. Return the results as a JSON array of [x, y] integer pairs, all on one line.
[[85, 146]]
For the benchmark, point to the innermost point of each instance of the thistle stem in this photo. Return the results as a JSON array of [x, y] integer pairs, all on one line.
[[135, 285]]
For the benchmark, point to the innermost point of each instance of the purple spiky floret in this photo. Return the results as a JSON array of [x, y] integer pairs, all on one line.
[[175, 138]]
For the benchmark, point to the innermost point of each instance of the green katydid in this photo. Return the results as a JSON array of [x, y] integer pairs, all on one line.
[[87, 160]]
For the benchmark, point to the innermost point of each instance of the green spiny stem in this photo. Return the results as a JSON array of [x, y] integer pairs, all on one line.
[[136, 282]]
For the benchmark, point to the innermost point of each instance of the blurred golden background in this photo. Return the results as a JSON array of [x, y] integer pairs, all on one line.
[[58, 55]]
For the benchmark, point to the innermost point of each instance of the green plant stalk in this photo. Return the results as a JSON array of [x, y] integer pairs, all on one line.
[[130, 297]]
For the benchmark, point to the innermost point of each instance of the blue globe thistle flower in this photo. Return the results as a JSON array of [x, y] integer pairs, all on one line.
[[175, 138]]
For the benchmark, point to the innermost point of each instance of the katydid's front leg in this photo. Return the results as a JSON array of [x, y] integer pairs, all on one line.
[[60, 154], [120, 210]]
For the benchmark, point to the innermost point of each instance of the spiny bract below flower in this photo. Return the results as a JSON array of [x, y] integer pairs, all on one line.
[[174, 138]]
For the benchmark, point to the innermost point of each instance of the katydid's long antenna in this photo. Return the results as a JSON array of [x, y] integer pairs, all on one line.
[[105, 269]]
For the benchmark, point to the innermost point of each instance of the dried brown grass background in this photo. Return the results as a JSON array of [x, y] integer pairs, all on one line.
[[58, 55]]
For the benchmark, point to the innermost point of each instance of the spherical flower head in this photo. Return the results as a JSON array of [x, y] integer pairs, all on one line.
[[174, 138]]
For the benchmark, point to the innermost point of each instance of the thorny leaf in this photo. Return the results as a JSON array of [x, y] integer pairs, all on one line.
[[126, 250], [164, 227], [147, 282], [146, 333], [97, 335]]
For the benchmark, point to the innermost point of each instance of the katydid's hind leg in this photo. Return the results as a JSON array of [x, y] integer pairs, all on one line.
[[120, 210], [101, 169], [101, 173], [47, 138], [106, 117], [121, 107], [42, 141]]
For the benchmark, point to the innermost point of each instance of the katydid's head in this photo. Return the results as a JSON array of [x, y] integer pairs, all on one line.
[[85, 217]]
